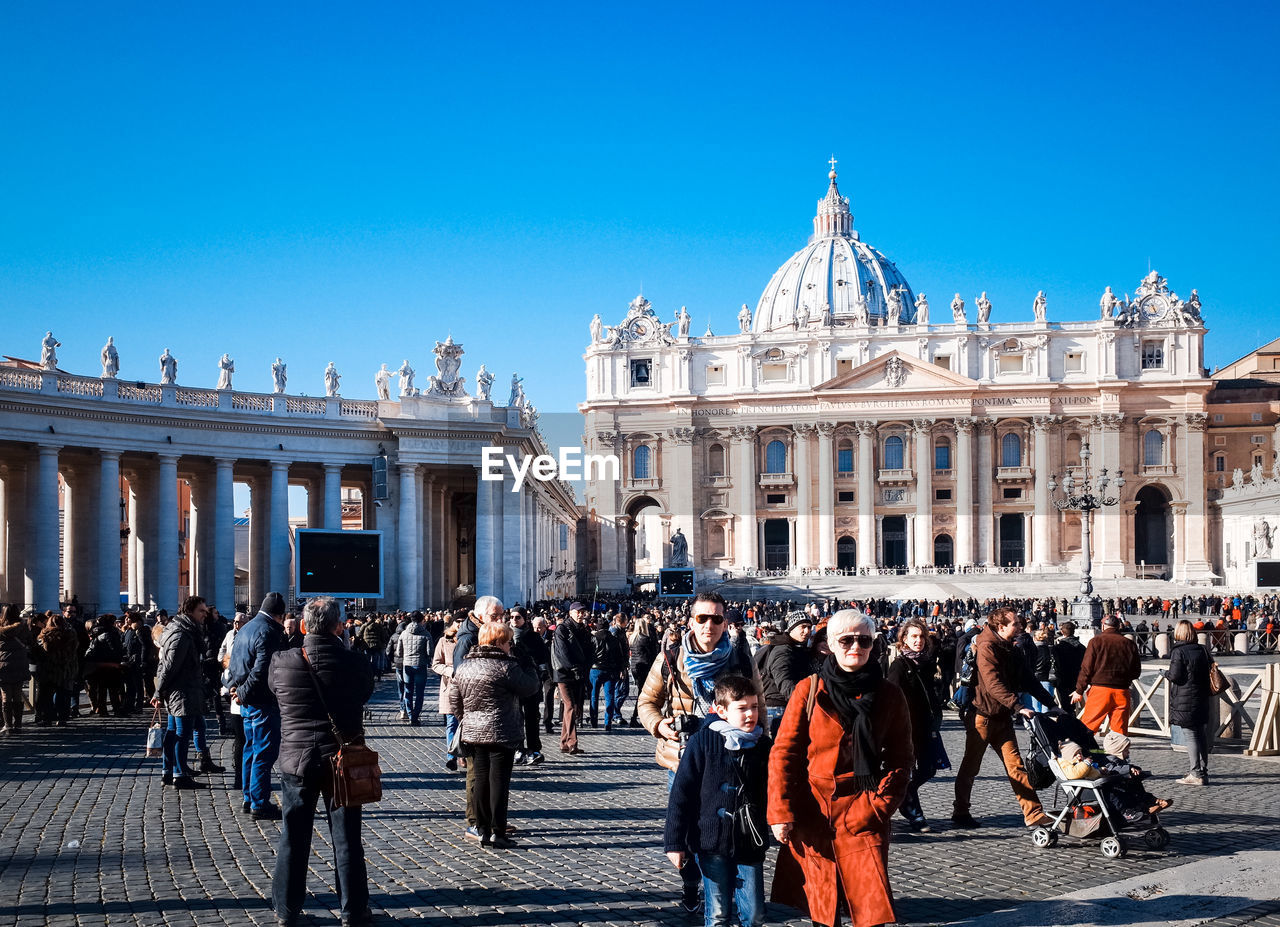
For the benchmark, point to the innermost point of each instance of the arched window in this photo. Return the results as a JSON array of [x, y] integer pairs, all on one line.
[[844, 456], [1152, 448], [775, 457], [715, 460], [942, 455], [1073, 450], [640, 463], [893, 453], [1011, 450], [715, 541]]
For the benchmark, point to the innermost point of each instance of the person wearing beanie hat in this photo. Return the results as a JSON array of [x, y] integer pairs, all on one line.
[[256, 643]]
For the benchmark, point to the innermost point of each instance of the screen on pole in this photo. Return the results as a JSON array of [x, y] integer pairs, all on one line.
[[675, 582], [346, 564], [1268, 575]]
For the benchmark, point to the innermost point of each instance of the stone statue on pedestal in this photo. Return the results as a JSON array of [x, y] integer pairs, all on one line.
[[1108, 304], [382, 380], [957, 311], [517, 399], [48, 356], [895, 306], [679, 550], [226, 367], [922, 310], [110, 359], [597, 329], [446, 382], [331, 379], [1261, 538], [683, 320], [407, 374], [1040, 307], [168, 369], [744, 319], [484, 382], [984, 309], [279, 375]]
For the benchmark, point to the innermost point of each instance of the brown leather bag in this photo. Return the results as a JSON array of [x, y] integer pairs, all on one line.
[[1218, 681], [356, 775]]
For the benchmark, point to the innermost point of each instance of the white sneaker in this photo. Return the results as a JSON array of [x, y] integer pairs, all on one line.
[[404, 715], [520, 758]]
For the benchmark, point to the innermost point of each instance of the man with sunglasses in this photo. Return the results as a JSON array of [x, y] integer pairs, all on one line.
[[679, 693], [1002, 675]]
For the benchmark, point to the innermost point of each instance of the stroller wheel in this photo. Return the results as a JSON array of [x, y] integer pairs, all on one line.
[[1114, 847], [1044, 837], [1157, 838]]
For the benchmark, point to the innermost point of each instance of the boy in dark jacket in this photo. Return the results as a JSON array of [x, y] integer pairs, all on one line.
[[717, 805]]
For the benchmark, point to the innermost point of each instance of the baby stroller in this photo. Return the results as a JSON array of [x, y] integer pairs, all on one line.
[[1086, 813]]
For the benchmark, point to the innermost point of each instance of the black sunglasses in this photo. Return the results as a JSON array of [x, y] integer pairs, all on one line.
[[714, 619], [846, 641]]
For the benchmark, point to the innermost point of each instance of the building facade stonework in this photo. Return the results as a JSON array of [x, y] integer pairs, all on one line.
[[91, 469], [848, 425]]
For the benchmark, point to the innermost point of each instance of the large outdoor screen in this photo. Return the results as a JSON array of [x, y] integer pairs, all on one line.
[[675, 583], [346, 564], [1268, 573]]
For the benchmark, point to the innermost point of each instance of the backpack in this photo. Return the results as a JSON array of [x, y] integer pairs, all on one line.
[[967, 678]]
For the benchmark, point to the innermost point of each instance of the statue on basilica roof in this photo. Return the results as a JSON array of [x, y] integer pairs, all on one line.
[[1108, 304], [744, 319], [1040, 307], [957, 310], [984, 308], [683, 321], [597, 329], [484, 382], [922, 310], [446, 381], [279, 375], [407, 374], [111, 359], [895, 306]]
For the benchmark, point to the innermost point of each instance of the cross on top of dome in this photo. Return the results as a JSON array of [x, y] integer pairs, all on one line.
[[834, 220]]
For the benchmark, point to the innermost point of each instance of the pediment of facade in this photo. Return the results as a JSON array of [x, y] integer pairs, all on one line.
[[897, 371]]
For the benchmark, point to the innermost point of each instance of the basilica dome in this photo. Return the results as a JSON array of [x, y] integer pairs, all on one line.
[[830, 274]]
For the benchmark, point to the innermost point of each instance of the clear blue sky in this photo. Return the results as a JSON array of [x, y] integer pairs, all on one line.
[[328, 182]]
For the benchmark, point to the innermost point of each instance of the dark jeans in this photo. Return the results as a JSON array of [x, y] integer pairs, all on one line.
[[11, 697], [549, 692], [177, 741], [605, 681], [261, 747], [490, 770], [414, 688], [237, 750], [54, 704], [105, 682], [298, 795], [133, 688], [532, 737]]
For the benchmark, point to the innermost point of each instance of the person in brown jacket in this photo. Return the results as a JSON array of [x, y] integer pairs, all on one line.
[[1111, 664], [677, 696], [1002, 675]]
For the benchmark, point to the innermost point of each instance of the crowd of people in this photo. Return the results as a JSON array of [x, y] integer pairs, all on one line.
[[811, 724]]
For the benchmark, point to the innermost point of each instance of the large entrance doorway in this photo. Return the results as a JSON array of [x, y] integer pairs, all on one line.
[[1151, 528], [1013, 543], [777, 544], [893, 531], [846, 553], [644, 537], [943, 552]]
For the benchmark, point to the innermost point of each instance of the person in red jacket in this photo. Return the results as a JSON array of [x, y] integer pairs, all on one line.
[[1111, 664]]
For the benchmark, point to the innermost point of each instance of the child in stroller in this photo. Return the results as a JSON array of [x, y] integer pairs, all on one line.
[[1105, 793]]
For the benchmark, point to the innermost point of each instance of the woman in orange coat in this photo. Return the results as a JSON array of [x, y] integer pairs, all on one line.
[[838, 771]]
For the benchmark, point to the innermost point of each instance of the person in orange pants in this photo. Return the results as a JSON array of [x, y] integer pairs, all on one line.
[[1111, 664], [1106, 702]]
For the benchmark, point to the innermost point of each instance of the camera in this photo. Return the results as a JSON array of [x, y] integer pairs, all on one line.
[[686, 725]]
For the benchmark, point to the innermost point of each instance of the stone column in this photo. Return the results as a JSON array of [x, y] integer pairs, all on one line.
[[409, 524], [333, 497], [43, 567], [430, 545], [791, 541], [167, 534], [512, 552], [224, 538], [259, 515], [315, 504], [68, 579], [206, 538], [868, 545], [1195, 548], [135, 551], [986, 464], [744, 478], [964, 492], [278, 530], [1041, 556], [488, 528], [1109, 558], [826, 497], [804, 506], [16, 536], [108, 526], [924, 492]]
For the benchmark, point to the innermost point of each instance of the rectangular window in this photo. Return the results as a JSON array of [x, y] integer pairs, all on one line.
[[844, 495], [942, 495], [1255, 416], [1257, 439], [715, 375], [1153, 355], [1074, 362], [1257, 460], [1011, 363], [564, 537], [1219, 464], [844, 460], [776, 498], [943, 361], [641, 373], [942, 457], [773, 373], [1013, 493], [1217, 418], [843, 365]]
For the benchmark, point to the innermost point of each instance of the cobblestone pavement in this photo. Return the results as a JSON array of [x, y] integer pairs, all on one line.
[[88, 837]]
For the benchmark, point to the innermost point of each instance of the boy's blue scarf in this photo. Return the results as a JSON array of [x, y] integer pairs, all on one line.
[[735, 738]]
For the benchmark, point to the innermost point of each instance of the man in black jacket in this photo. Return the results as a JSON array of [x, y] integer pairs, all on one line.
[[783, 662], [258, 641], [567, 658], [1068, 654], [529, 648], [608, 660], [319, 686]]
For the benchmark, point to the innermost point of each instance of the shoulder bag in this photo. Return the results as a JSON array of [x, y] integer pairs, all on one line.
[[1218, 681], [356, 775]]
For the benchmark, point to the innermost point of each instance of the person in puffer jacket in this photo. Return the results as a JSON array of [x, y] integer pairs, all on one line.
[[485, 698], [14, 662], [180, 686], [414, 650]]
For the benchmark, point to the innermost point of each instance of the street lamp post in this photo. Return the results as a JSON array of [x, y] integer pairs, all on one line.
[[1083, 496]]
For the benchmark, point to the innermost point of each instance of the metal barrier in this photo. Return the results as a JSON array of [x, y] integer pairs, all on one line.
[[1149, 697]]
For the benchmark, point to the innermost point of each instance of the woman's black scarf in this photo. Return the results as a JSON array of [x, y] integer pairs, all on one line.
[[854, 695]]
